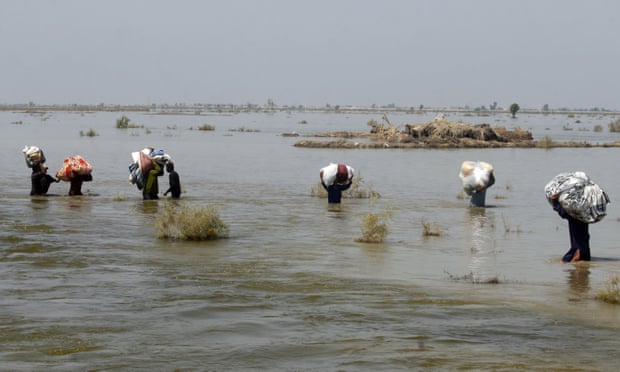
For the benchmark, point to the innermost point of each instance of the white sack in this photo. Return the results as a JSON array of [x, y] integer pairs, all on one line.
[[474, 175]]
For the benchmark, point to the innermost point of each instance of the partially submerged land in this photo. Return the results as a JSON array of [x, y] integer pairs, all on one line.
[[439, 133]]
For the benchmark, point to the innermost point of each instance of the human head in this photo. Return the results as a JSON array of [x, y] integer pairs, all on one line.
[[169, 166], [343, 174]]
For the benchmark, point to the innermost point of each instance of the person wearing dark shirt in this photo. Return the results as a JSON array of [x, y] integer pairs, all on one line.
[[579, 236], [173, 179], [40, 180]]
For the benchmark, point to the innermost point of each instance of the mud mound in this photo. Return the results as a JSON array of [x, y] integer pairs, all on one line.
[[443, 129]]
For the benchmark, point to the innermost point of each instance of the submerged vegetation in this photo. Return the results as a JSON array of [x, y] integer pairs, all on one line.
[[124, 122], [471, 278], [614, 126], [611, 293], [206, 127], [89, 133], [190, 223], [431, 228], [374, 227]]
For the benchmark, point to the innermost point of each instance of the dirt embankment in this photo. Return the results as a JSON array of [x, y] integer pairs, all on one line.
[[439, 133]]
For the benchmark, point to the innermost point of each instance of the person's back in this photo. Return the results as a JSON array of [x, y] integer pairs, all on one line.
[[175, 184]]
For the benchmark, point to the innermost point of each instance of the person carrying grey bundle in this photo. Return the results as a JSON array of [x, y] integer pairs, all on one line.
[[580, 201]]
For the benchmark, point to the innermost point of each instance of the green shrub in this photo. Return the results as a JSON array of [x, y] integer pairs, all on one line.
[[190, 223], [124, 122], [598, 128]]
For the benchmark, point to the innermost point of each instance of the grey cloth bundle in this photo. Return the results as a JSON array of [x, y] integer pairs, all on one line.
[[579, 196]]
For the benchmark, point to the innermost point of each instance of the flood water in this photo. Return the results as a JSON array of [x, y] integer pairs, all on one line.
[[86, 285]]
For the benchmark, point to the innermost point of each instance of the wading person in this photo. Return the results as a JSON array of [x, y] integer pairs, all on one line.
[[579, 235], [174, 183], [479, 194], [476, 178], [76, 183], [337, 182], [151, 186], [40, 180], [581, 202]]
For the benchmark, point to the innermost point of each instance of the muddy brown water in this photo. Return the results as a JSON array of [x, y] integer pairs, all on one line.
[[85, 284]]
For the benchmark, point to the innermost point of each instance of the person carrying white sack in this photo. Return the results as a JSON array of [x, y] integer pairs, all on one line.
[[335, 179], [476, 177]]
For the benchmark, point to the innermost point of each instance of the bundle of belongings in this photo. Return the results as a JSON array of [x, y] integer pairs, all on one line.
[[34, 156], [578, 195], [476, 175], [75, 166], [143, 163], [340, 174]]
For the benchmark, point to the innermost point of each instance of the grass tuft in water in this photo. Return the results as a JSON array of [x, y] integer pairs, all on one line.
[[611, 293], [374, 227], [614, 126], [124, 122], [190, 223], [431, 229], [471, 278], [89, 133], [545, 143], [206, 127]]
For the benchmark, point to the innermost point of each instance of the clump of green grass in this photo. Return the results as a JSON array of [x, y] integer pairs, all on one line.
[[431, 228], [460, 195], [358, 190], [614, 126], [611, 293], [190, 223], [89, 133], [374, 227], [303, 122], [124, 122], [206, 127], [598, 128]]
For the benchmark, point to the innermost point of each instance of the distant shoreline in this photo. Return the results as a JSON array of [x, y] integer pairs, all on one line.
[[182, 109]]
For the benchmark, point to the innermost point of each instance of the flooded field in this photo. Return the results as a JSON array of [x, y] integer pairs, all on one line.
[[86, 285]]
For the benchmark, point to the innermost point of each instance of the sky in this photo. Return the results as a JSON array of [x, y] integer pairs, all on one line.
[[436, 53]]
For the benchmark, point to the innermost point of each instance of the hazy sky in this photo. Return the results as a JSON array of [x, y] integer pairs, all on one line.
[[564, 53]]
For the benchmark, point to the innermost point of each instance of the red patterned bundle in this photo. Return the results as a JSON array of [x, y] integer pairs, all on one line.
[[73, 165]]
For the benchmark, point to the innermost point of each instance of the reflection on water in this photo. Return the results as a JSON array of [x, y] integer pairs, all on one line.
[[579, 278], [482, 240]]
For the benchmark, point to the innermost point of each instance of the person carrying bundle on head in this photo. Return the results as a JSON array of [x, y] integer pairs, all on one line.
[[335, 179]]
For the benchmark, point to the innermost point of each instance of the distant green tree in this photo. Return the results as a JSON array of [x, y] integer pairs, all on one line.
[[514, 108]]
